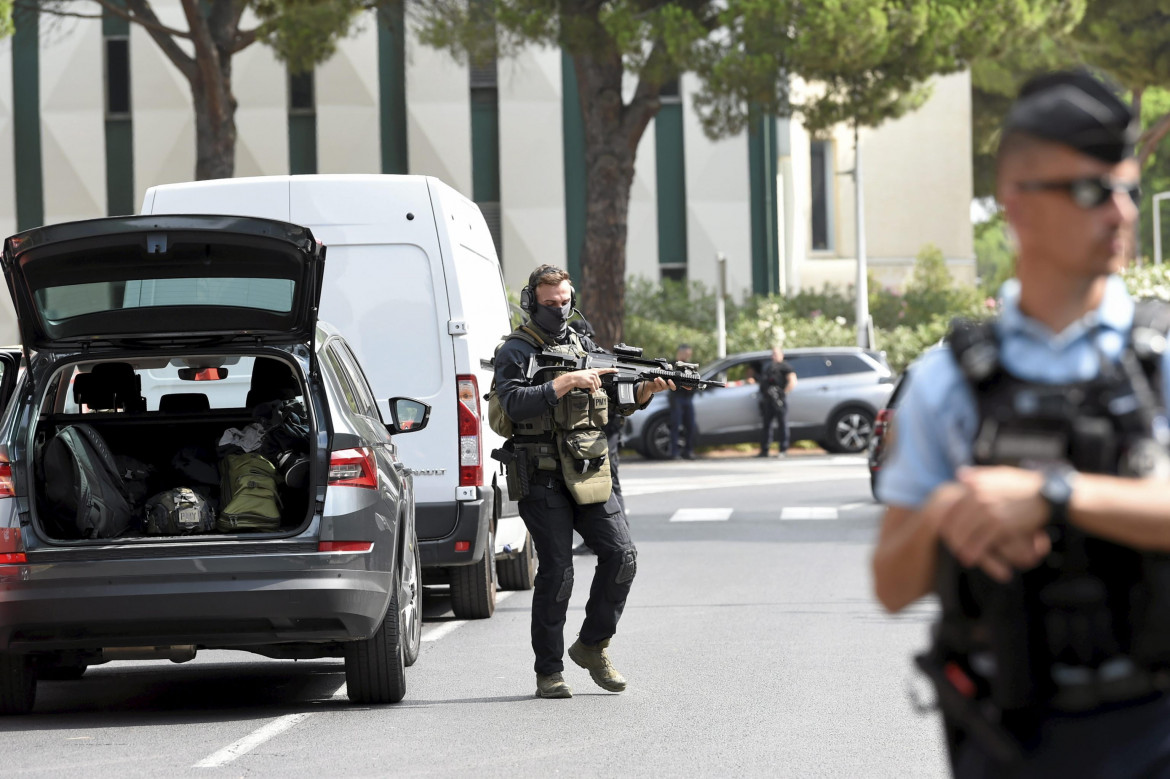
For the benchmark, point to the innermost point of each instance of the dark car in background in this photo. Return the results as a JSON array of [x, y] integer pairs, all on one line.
[[196, 302], [879, 443], [838, 393]]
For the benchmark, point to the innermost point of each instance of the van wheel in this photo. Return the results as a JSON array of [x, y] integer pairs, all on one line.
[[375, 669], [473, 587], [18, 684], [412, 609], [519, 572]]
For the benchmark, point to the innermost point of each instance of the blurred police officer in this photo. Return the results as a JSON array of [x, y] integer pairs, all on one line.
[[1026, 485], [561, 472], [777, 379], [682, 414]]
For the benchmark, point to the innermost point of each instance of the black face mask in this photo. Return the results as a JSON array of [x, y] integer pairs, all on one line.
[[553, 319]]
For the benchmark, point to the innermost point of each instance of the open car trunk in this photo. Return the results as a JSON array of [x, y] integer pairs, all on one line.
[[174, 448]]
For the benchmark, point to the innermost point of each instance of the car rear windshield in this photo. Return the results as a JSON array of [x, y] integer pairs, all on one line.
[[63, 302]]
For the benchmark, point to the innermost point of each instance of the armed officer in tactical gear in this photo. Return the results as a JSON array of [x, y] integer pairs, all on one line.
[[558, 469], [1027, 481]]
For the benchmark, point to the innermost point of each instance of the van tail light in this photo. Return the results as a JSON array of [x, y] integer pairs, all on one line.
[[6, 488], [11, 546], [470, 441], [353, 468]]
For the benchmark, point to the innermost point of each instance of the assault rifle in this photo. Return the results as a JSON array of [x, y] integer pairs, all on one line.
[[631, 367]]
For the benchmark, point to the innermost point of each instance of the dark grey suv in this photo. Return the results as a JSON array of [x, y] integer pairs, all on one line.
[[168, 340]]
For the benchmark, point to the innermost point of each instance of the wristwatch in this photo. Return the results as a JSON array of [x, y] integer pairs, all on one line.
[[1057, 492]]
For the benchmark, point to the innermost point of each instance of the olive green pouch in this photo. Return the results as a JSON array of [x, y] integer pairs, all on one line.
[[248, 492], [585, 465], [581, 410]]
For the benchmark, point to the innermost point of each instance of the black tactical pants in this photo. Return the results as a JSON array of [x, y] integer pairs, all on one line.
[[1125, 741], [552, 515], [773, 415]]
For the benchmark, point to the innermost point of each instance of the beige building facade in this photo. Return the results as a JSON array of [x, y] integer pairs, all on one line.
[[74, 145]]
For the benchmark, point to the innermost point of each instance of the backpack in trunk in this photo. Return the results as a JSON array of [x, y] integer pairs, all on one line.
[[84, 491], [248, 494]]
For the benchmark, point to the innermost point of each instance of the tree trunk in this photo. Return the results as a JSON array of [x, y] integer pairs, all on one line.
[[612, 132], [215, 129]]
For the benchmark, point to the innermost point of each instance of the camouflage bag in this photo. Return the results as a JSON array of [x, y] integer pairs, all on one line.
[[178, 512]]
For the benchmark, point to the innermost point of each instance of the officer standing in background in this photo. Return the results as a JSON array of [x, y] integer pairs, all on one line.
[[777, 379], [560, 473], [1027, 480], [682, 413]]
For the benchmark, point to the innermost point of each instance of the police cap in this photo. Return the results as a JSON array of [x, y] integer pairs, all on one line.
[[1075, 109]]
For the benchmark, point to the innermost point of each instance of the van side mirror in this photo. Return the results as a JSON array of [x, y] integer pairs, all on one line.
[[408, 415]]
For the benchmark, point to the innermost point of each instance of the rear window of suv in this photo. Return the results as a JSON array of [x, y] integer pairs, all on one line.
[[71, 300], [810, 366]]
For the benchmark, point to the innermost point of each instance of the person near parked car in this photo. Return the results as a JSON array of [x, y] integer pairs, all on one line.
[[682, 414], [776, 380], [1027, 480], [560, 473]]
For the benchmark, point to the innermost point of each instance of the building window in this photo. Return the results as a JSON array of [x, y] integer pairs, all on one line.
[[673, 271], [485, 145], [671, 180], [302, 123], [117, 77], [821, 176]]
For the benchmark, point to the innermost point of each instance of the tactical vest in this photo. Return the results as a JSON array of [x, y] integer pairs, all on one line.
[[566, 441], [1090, 625]]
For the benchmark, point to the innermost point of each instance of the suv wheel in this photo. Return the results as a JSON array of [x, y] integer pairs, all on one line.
[[849, 431], [656, 444], [375, 669], [473, 587], [18, 684], [412, 609], [519, 572]]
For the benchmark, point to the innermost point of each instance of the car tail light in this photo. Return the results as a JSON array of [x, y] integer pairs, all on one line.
[[879, 424], [470, 445], [345, 546], [11, 546], [6, 488], [353, 468]]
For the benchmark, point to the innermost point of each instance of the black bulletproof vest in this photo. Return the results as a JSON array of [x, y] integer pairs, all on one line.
[[1092, 610]]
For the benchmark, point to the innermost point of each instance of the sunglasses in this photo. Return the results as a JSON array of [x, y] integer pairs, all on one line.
[[1089, 192]]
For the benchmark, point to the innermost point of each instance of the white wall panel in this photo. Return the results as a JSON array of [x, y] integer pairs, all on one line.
[[72, 95], [718, 201], [260, 84], [348, 131], [7, 146], [438, 110], [532, 163], [164, 117]]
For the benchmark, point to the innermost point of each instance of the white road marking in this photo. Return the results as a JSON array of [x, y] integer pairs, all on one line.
[[857, 505], [716, 482], [251, 741], [809, 512], [701, 515], [440, 631]]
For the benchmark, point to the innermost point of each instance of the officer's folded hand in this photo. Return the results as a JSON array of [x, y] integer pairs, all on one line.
[[997, 520]]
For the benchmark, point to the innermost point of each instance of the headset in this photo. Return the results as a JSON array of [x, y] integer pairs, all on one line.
[[528, 294]]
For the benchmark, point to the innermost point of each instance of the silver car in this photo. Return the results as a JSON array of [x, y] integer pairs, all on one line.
[[838, 393], [201, 301]]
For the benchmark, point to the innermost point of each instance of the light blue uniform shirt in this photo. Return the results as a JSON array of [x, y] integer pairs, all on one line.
[[936, 418]]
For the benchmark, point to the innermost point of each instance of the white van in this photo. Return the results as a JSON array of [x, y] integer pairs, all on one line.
[[413, 282]]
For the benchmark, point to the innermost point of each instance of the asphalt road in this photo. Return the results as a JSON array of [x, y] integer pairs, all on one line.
[[751, 642]]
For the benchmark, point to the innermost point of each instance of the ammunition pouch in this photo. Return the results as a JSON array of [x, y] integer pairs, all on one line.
[[585, 465], [581, 410]]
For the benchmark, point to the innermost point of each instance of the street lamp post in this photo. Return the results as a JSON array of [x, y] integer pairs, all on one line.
[[862, 312], [1158, 227]]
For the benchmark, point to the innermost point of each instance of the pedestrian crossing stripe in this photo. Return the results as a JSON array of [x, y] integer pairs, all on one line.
[[701, 515], [808, 512]]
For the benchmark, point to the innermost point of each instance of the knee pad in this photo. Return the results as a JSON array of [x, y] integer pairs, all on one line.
[[566, 589], [627, 567]]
